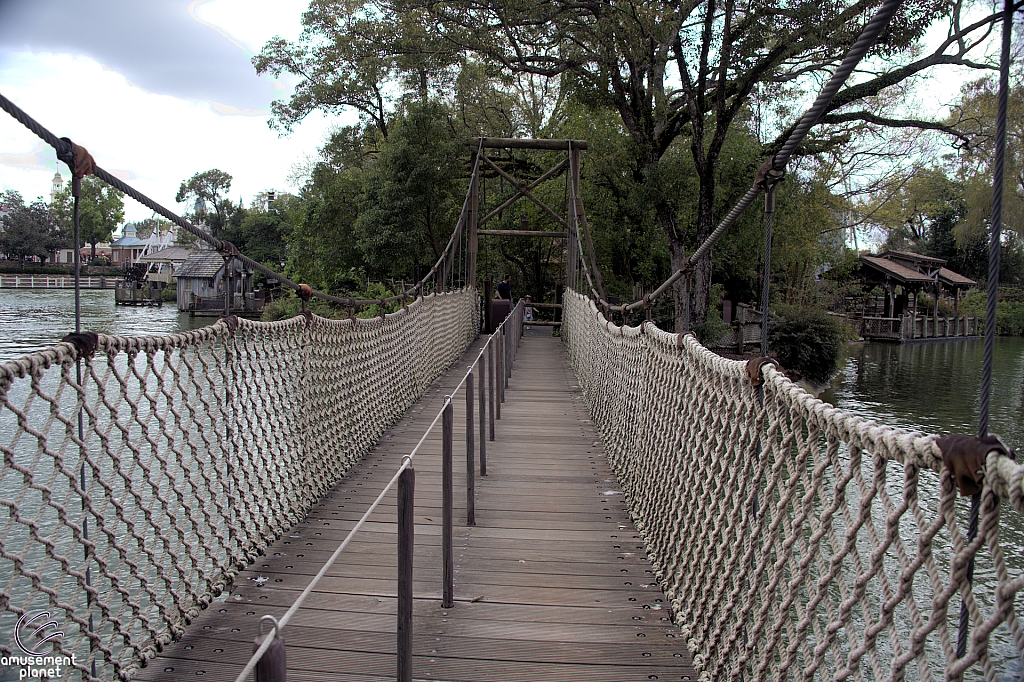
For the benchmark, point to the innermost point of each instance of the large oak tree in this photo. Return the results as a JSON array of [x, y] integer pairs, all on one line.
[[674, 72]]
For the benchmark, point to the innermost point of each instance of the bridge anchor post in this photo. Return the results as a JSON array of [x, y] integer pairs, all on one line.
[[448, 590], [406, 542]]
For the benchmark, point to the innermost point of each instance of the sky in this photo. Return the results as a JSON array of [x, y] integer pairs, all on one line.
[[156, 90]]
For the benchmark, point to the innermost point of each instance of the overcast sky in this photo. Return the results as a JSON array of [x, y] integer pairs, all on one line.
[[157, 90]]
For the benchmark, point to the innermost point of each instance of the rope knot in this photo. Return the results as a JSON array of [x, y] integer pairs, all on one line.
[[964, 457], [754, 366], [84, 342]]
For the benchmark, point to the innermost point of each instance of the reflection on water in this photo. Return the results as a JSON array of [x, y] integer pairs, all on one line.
[[33, 319], [934, 387]]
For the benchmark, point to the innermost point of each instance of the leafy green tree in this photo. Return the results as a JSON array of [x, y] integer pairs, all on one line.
[[322, 247], [29, 230], [208, 190], [671, 72], [413, 192], [100, 211], [975, 114]]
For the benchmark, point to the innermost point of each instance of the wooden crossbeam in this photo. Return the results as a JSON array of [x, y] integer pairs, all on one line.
[[517, 143], [526, 193], [547, 176], [525, 233]]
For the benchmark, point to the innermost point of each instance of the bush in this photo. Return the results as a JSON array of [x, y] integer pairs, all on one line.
[[169, 294], [1009, 310], [808, 341]]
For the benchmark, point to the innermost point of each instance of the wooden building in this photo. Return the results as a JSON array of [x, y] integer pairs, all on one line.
[[201, 281], [903, 275]]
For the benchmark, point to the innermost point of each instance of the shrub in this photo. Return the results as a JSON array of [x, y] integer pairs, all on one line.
[[808, 341], [169, 294]]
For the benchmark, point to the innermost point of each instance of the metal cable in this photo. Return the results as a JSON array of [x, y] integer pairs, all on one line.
[[769, 215], [988, 359], [779, 161]]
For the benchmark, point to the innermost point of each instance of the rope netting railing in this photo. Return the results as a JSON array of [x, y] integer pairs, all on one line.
[[794, 540], [197, 451]]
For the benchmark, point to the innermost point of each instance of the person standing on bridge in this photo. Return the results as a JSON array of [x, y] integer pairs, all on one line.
[[505, 288]]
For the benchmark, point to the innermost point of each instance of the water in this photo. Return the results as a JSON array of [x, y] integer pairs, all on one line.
[[934, 387], [33, 319]]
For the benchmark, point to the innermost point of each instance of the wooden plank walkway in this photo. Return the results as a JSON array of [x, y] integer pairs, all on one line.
[[551, 584]]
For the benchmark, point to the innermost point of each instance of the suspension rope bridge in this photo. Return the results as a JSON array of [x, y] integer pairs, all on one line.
[[634, 506]]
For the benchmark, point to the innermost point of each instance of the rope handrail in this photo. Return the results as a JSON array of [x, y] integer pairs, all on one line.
[[65, 152], [837, 552], [197, 450], [280, 624], [772, 170]]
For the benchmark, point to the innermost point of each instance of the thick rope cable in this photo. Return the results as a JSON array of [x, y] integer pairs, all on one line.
[[994, 244], [63, 147], [780, 159]]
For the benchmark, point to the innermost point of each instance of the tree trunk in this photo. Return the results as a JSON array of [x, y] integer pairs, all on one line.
[[93, 249], [701, 296]]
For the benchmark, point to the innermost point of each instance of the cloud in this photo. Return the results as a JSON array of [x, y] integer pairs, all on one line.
[[37, 159], [163, 46]]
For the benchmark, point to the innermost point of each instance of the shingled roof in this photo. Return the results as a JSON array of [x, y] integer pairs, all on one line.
[[206, 264], [898, 272]]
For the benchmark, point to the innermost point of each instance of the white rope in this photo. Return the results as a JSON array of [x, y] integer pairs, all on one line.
[[792, 540]]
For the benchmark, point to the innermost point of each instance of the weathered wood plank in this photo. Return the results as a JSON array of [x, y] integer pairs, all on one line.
[[552, 583]]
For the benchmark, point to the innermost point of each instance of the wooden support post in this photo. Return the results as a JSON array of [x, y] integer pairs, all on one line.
[[473, 219], [483, 419], [496, 378], [501, 369], [488, 288], [470, 461], [491, 402], [406, 542], [448, 590], [273, 667]]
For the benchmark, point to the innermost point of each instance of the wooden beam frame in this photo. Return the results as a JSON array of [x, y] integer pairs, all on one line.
[[526, 193], [544, 178]]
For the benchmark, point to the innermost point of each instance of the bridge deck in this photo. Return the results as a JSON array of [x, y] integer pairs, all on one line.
[[552, 583]]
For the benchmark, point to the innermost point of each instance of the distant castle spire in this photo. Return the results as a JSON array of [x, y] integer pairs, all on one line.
[[57, 186]]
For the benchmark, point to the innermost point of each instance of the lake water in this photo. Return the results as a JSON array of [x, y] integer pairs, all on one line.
[[33, 319]]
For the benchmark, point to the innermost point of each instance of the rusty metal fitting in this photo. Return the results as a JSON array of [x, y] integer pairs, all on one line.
[[964, 457], [78, 159], [309, 318], [754, 366], [231, 321], [768, 175], [305, 292], [84, 342], [229, 249], [382, 307]]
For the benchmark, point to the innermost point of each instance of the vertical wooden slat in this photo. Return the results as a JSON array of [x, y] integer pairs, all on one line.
[[448, 592], [483, 419], [491, 401], [470, 460], [406, 542]]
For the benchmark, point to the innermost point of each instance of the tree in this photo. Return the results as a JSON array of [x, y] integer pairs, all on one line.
[[685, 72], [30, 230], [100, 211], [412, 193], [975, 115], [349, 56], [208, 190]]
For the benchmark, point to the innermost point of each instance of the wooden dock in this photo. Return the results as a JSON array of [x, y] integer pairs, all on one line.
[[551, 584]]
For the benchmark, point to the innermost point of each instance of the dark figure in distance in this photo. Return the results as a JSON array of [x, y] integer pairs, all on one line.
[[505, 288]]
